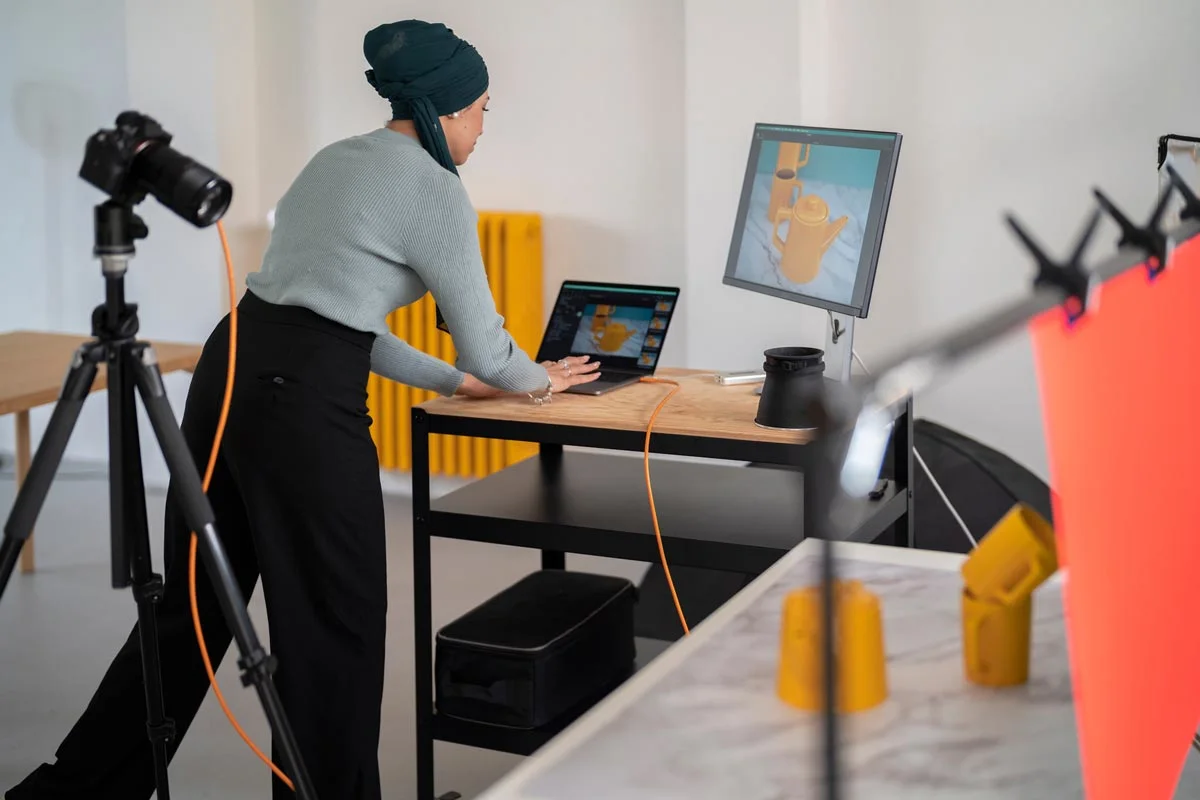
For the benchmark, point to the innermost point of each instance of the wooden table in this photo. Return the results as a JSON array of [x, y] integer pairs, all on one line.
[[701, 405], [33, 365], [714, 515]]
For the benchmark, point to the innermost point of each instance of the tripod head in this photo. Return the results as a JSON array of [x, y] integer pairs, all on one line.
[[117, 227]]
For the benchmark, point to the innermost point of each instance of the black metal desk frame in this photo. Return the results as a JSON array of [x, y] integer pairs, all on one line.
[[521, 506]]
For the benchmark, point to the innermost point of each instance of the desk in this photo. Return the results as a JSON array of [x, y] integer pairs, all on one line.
[[703, 722], [713, 515], [32, 368]]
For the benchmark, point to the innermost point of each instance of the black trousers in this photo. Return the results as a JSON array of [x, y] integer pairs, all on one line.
[[298, 503]]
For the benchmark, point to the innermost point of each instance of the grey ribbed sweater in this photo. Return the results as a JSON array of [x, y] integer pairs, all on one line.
[[370, 224]]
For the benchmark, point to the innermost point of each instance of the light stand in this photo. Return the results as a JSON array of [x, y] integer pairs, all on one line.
[[132, 363]]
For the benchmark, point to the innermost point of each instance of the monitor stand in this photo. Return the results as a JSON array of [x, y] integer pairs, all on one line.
[[839, 348]]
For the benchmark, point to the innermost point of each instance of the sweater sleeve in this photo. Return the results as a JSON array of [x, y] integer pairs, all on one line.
[[443, 249], [397, 360]]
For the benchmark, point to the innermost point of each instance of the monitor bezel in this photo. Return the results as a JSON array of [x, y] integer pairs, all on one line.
[[876, 241]]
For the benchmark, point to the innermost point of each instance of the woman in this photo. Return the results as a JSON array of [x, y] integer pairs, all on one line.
[[371, 224]]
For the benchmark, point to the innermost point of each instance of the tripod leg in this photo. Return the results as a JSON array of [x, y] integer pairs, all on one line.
[[256, 664], [34, 488], [131, 560]]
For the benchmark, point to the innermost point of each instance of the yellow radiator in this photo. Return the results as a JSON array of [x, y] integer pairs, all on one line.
[[512, 253]]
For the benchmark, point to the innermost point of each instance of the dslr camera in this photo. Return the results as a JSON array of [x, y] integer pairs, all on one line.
[[136, 158]]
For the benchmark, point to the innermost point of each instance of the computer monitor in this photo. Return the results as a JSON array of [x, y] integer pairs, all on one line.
[[810, 220]]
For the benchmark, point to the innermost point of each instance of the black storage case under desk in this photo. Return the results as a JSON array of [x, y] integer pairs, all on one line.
[[543, 647]]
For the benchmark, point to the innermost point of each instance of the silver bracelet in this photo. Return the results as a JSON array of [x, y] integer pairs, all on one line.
[[542, 397]]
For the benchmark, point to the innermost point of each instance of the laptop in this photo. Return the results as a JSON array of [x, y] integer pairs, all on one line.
[[621, 325]]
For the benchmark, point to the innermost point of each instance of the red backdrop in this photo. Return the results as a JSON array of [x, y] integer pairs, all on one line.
[[1121, 403]]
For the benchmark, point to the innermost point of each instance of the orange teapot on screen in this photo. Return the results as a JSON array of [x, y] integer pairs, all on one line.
[[810, 235], [612, 336]]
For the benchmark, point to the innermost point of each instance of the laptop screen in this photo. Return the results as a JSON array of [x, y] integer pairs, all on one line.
[[621, 325]]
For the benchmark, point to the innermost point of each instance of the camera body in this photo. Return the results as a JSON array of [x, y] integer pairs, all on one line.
[[135, 158], [109, 155]]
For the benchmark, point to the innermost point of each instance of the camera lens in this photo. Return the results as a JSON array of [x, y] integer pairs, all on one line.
[[185, 186]]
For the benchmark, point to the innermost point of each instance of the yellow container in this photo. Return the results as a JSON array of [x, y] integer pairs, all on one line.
[[996, 640], [860, 656], [1018, 555]]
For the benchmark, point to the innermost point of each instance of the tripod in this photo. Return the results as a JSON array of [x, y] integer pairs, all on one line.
[[132, 364]]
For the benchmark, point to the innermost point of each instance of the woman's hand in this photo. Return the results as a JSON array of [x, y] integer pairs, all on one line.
[[571, 371], [563, 374]]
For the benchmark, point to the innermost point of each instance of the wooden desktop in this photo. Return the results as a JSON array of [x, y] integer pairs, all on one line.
[[702, 407]]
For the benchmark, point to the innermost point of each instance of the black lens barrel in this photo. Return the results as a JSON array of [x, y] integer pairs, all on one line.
[[190, 189]]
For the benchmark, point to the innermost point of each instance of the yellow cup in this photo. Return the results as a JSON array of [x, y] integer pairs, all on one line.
[[860, 657], [996, 639], [1015, 557]]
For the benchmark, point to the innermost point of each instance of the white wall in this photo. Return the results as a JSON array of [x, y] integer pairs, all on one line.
[[48, 277], [586, 127], [627, 124], [1021, 106], [114, 55], [585, 123], [746, 64], [741, 69]]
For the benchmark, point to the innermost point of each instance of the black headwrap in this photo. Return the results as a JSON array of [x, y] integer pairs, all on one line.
[[424, 71]]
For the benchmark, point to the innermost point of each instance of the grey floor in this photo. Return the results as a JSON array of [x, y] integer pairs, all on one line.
[[60, 626]]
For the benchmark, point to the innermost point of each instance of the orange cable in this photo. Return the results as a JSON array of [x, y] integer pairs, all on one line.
[[212, 463], [662, 553]]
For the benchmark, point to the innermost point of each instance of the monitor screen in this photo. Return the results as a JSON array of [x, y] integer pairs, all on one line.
[[810, 220], [623, 326]]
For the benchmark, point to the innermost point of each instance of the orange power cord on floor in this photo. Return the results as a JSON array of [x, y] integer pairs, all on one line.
[[212, 462]]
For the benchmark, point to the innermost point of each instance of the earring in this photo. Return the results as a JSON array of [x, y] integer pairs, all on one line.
[[455, 114]]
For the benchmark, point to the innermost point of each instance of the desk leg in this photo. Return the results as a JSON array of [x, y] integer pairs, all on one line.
[[24, 457], [422, 605], [550, 456], [903, 532], [810, 474]]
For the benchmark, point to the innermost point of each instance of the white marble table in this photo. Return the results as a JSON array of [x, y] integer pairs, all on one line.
[[702, 721]]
